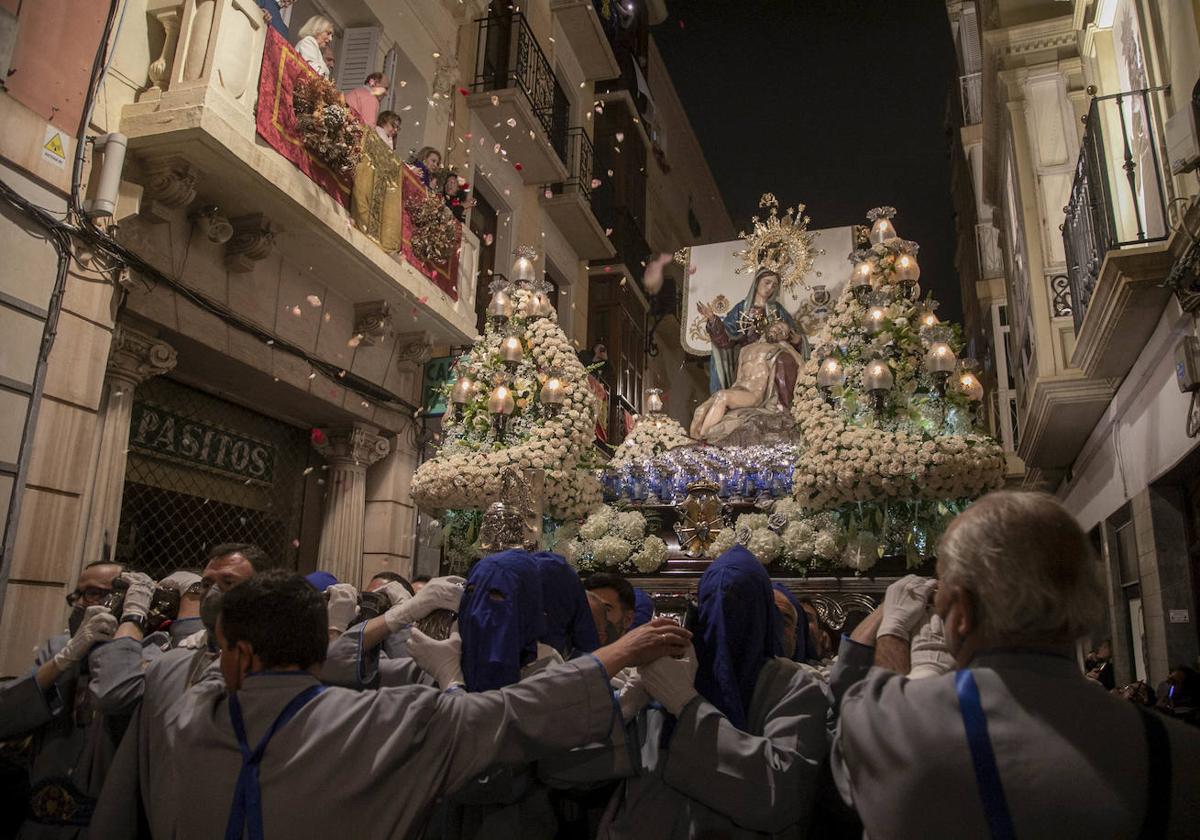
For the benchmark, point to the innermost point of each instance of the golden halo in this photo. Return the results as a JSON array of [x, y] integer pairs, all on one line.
[[782, 244]]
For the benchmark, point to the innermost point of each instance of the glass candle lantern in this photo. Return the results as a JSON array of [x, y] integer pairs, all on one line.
[[878, 376], [874, 319], [860, 281], [654, 400], [907, 269], [940, 360], [882, 230], [523, 270], [510, 351], [971, 387], [830, 374], [500, 309], [552, 395]]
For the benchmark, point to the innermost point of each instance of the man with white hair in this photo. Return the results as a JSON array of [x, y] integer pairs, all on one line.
[[1016, 742]]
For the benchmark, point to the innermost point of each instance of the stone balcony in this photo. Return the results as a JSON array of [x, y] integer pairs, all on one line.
[[569, 204], [585, 32], [193, 142]]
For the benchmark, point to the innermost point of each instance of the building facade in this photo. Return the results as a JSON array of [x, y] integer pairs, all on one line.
[[227, 353], [1079, 128]]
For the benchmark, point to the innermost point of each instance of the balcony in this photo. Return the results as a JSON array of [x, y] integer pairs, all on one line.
[[515, 85], [194, 140], [585, 32], [569, 204], [1118, 242], [971, 89]]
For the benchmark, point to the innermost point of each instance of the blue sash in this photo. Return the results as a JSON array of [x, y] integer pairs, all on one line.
[[991, 791], [246, 811]]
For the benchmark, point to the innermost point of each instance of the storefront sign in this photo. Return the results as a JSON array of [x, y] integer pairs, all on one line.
[[156, 431], [437, 374]]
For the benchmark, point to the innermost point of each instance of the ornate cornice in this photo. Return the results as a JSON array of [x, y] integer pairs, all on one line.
[[354, 447], [252, 241], [372, 322]]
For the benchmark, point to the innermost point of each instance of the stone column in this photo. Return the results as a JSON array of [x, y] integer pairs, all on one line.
[[135, 357], [349, 452]]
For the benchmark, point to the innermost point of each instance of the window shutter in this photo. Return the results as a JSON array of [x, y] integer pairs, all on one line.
[[389, 72], [968, 35], [357, 56]]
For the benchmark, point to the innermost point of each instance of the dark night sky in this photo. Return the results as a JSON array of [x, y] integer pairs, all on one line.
[[839, 104]]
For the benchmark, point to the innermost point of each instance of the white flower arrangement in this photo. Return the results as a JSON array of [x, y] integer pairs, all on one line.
[[611, 539], [465, 471], [652, 434]]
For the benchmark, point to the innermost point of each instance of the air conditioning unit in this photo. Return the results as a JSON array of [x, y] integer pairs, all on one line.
[[1183, 148]]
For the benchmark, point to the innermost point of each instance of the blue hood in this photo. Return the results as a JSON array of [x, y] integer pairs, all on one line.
[[500, 619]]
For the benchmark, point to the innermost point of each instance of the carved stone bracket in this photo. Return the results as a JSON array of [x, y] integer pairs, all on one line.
[[136, 357], [252, 242], [372, 322], [413, 348], [168, 183]]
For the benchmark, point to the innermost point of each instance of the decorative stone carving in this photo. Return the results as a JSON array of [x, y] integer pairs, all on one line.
[[135, 357], [168, 184], [372, 322], [252, 242], [159, 71], [413, 348]]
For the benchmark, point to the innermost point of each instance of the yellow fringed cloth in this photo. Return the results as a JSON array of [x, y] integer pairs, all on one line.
[[376, 201]]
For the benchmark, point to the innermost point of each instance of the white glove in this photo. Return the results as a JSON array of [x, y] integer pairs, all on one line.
[[670, 681], [632, 696], [138, 596], [441, 593], [395, 592], [904, 606], [442, 660], [342, 606], [180, 581], [98, 625], [929, 655]]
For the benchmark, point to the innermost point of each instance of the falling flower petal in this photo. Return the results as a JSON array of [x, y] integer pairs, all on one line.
[[517, 166], [317, 436], [354, 341], [495, 99], [610, 173], [511, 122], [608, 231], [487, 239], [620, 135], [313, 300], [463, 91], [296, 311], [549, 193]]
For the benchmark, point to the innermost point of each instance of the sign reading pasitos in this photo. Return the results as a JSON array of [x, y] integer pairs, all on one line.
[[162, 433]]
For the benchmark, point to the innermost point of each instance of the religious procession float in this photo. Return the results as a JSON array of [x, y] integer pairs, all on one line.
[[839, 439]]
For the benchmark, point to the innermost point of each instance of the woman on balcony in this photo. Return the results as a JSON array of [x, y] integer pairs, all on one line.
[[314, 37], [426, 162]]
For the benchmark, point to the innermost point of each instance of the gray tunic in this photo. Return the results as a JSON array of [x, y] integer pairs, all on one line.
[[350, 665], [72, 742], [713, 780], [1072, 758], [140, 773], [366, 764]]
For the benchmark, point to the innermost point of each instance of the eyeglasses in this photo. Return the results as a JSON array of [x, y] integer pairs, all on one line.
[[90, 596]]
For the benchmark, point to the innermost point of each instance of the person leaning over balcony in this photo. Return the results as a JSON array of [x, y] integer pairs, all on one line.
[[311, 41], [364, 100], [1017, 742], [387, 126], [427, 162]]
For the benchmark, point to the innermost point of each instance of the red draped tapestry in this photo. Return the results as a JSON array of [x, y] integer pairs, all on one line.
[[275, 118]]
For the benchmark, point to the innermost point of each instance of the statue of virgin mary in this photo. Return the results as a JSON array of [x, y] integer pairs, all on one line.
[[745, 324]]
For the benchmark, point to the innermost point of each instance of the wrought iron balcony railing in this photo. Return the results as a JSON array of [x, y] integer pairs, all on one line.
[[1119, 195], [971, 88], [579, 165], [509, 56]]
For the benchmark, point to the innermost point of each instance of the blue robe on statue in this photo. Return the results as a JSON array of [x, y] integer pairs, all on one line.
[[730, 333]]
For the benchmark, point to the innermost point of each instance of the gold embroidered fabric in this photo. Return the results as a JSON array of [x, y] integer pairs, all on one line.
[[376, 201]]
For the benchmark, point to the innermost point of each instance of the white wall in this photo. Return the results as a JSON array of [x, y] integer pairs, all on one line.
[[1142, 433]]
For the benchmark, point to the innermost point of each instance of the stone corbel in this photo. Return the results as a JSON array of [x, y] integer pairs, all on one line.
[[168, 184], [356, 446], [413, 348], [372, 322], [137, 357], [168, 16], [252, 242]]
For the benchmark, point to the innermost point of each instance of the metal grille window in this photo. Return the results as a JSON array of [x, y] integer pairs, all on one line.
[[203, 471]]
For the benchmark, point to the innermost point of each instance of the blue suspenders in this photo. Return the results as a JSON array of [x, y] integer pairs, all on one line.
[[991, 792], [246, 811]]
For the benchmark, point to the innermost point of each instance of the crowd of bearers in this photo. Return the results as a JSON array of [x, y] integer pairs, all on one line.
[[524, 701]]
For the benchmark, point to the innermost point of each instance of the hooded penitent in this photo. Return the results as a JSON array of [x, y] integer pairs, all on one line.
[[500, 619], [320, 581], [801, 653], [569, 626], [736, 633]]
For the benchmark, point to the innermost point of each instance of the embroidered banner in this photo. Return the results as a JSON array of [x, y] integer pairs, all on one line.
[[444, 275], [275, 117]]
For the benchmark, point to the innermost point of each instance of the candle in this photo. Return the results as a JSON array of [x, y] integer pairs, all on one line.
[[510, 351], [552, 394], [875, 316], [971, 387], [878, 376], [940, 360], [861, 279], [907, 270], [500, 308], [882, 230], [463, 389], [501, 401], [830, 374]]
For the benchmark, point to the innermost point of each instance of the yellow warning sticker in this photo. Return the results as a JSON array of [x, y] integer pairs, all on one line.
[[54, 147]]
